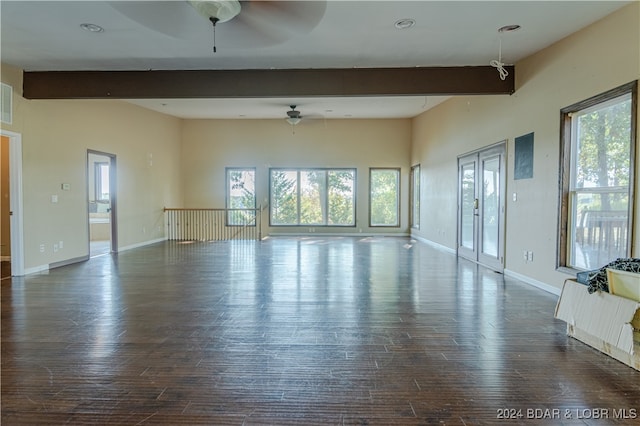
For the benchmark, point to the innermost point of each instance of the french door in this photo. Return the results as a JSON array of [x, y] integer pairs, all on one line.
[[481, 204]]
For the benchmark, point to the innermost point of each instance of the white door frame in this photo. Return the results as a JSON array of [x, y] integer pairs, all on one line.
[[15, 202], [113, 198]]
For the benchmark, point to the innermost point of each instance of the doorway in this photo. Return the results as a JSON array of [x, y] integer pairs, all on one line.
[[481, 206], [101, 189]]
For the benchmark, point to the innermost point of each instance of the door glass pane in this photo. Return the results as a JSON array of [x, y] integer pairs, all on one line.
[[467, 203], [490, 206]]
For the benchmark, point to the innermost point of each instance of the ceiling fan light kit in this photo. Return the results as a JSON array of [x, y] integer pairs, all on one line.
[[221, 10], [293, 116], [216, 11]]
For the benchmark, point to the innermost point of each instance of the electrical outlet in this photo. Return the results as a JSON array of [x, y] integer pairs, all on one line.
[[530, 256], [55, 248], [41, 248]]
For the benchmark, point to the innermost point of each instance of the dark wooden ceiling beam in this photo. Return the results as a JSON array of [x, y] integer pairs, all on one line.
[[266, 83]]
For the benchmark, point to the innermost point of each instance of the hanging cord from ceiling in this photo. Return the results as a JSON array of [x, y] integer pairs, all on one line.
[[498, 64], [214, 21], [424, 105]]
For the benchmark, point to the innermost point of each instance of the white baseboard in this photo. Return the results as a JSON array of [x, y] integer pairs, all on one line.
[[539, 284], [527, 280], [36, 269], [328, 235], [433, 244], [46, 268], [142, 244]]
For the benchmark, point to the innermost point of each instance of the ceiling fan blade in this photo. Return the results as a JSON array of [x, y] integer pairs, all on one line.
[[283, 19], [259, 23], [173, 18]]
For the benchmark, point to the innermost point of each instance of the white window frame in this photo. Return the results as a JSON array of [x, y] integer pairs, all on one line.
[[325, 220], [396, 222]]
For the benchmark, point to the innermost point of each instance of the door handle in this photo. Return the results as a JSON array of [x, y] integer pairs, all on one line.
[[475, 204]]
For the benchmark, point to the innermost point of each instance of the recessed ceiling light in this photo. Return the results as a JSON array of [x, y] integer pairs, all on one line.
[[403, 24], [509, 28], [93, 28]]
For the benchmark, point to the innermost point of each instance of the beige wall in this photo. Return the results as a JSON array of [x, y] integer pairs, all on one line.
[[13, 77], [211, 145], [55, 138], [147, 150], [600, 57]]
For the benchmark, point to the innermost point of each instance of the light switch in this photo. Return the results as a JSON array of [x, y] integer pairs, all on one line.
[[66, 186], [54, 198]]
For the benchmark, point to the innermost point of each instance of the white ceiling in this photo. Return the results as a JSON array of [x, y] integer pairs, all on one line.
[[46, 36]]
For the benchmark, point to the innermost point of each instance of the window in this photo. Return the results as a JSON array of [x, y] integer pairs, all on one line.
[[241, 196], [384, 195], [317, 197], [102, 181], [598, 146], [414, 210]]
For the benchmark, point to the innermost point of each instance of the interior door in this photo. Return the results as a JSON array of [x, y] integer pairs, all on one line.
[[481, 206], [5, 210]]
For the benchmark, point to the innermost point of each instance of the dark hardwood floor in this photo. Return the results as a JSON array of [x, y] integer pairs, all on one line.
[[296, 331]]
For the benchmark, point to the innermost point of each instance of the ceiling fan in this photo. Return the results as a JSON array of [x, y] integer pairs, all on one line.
[[248, 24], [293, 116]]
